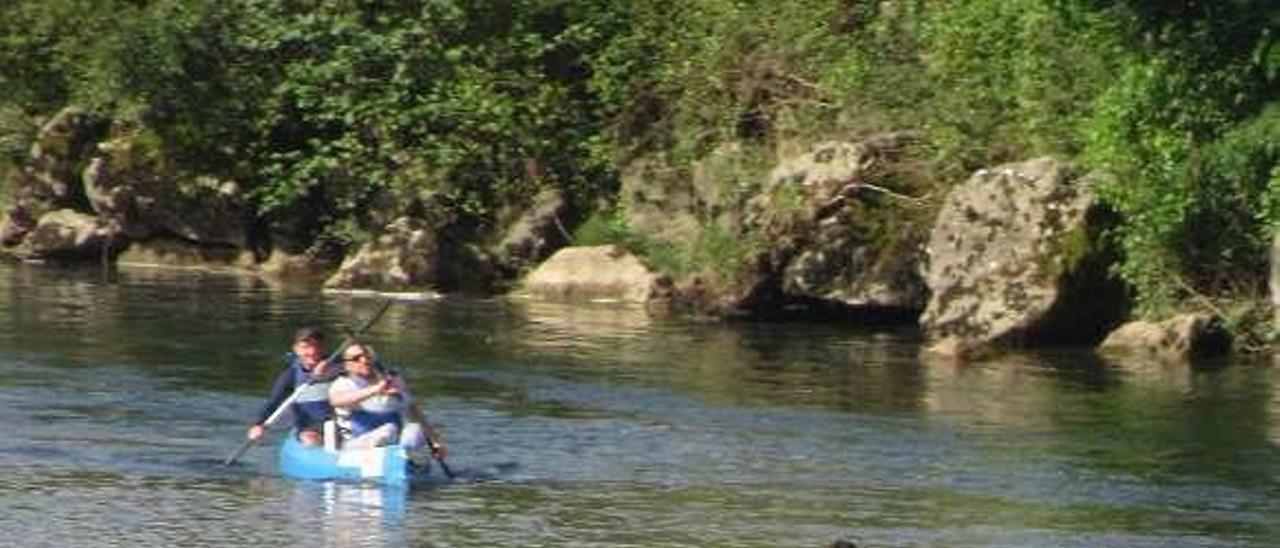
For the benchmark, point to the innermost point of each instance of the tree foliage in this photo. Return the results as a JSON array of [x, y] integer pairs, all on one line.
[[344, 112]]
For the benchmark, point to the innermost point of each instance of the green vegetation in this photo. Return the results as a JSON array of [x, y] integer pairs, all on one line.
[[713, 252], [346, 112]]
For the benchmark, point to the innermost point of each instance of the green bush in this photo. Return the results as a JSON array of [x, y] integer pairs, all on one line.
[[1187, 130], [343, 113]]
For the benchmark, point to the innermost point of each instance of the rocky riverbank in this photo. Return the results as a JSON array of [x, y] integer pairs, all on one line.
[[1014, 256]]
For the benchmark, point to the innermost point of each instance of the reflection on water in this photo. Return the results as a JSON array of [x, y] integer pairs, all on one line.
[[600, 426], [354, 515]]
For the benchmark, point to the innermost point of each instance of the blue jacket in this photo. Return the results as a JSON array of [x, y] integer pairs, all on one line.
[[311, 408]]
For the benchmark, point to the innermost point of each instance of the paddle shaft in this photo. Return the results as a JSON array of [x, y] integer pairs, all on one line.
[[351, 337], [443, 465]]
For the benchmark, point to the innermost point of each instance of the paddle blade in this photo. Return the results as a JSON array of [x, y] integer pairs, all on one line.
[[445, 466]]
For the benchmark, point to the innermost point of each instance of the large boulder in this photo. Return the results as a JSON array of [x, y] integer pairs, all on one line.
[[591, 273], [65, 234], [1180, 338], [129, 184], [57, 155], [840, 229], [536, 232], [407, 255], [1016, 257]]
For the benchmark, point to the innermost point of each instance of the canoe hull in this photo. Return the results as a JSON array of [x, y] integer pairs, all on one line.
[[385, 465]]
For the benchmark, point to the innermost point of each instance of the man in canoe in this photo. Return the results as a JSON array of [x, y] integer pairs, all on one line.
[[372, 406], [311, 408]]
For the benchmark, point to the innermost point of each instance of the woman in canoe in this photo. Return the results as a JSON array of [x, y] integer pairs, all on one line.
[[372, 406]]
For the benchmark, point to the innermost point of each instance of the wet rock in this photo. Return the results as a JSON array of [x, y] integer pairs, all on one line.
[[591, 273], [283, 265], [691, 297], [953, 348], [182, 254], [1015, 257], [1180, 338]]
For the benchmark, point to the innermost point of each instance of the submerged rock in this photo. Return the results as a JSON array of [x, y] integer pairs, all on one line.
[[172, 253], [282, 265], [1015, 256], [1180, 338]]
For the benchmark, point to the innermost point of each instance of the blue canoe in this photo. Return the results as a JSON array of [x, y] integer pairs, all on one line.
[[387, 465]]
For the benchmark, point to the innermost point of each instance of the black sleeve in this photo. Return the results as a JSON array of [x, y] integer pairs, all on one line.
[[280, 391]]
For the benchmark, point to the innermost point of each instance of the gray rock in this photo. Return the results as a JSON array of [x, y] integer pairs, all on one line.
[[406, 256], [70, 235], [835, 232], [1014, 257], [129, 186], [57, 155], [591, 273], [536, 233]]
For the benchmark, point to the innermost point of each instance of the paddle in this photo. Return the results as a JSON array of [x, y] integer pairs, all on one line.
[[351, 337], [435, 447]]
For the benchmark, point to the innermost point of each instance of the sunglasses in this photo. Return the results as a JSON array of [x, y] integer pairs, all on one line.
[[356, 357]]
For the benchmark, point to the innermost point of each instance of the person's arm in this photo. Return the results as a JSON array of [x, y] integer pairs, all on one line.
[[280, 391], [344, 395], [434, 440]]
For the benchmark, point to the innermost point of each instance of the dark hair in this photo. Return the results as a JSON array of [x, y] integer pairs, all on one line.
[[309, 334]]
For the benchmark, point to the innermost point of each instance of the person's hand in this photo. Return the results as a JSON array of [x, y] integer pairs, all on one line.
[[320, 369], [257, 431], [388, 386], [438, 450]]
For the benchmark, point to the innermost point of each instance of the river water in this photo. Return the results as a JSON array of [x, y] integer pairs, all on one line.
[[594, 425]]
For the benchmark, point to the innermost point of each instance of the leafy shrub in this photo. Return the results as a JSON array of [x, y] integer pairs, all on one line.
[[341, 114]]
